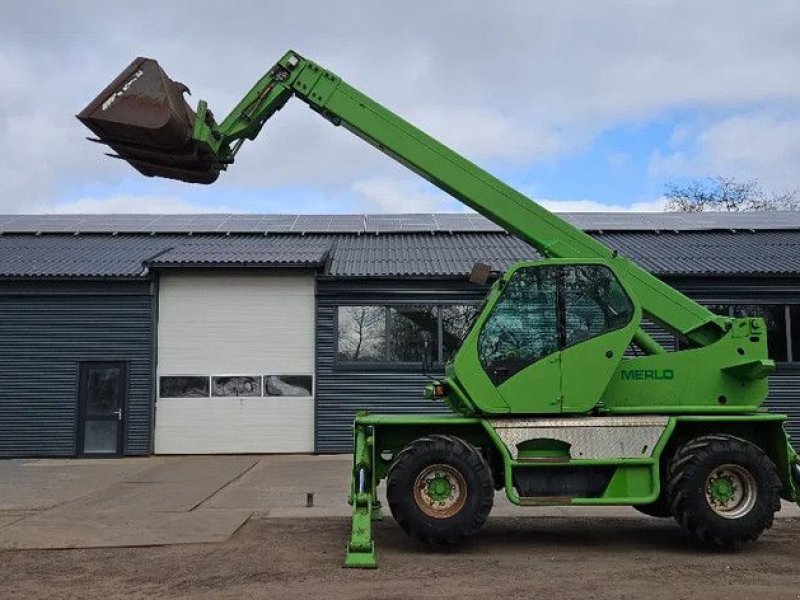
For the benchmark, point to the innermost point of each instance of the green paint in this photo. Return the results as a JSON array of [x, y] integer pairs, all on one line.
[[440, 489], [721, 489]]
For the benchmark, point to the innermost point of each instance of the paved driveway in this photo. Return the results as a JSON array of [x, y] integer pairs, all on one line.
[[72, 503]]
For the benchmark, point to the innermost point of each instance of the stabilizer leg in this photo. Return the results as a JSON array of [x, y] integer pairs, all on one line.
[[361, 547]]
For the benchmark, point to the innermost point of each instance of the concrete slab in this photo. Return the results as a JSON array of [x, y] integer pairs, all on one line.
[[56, 529], [41, 484], [283, 481], [153, 505], [176, 484]]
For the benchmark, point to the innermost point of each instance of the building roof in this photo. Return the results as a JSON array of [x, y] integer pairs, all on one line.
[[246, 250], [384, 223], [710, 244]]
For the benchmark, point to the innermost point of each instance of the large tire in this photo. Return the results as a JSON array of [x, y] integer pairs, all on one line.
[[723, 490], [440, 490], [659, 509]]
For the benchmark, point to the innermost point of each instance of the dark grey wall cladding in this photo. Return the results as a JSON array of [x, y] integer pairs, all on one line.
[[339, 392], [46, 330]]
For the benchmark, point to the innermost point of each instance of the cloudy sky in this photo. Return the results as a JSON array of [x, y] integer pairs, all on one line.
[[589, 105]]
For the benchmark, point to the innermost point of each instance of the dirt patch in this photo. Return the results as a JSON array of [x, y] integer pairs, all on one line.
[[512, 558]]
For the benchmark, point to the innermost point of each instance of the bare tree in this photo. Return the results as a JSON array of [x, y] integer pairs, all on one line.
[[726, 194]]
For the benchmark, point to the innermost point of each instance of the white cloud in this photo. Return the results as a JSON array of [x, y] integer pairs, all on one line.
[[482, 133], [760, 146], [511, 82], [568, 206], [132, 205], [402, 196], [409, 196]]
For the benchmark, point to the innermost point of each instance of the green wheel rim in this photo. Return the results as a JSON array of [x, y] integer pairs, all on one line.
[[731, 491]]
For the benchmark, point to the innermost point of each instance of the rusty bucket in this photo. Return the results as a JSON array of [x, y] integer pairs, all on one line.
[[143, 116]]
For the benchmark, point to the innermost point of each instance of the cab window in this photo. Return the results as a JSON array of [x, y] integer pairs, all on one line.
[[594, 303], [523, 326]]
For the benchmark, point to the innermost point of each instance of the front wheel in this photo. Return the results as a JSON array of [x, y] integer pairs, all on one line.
[[723, 490], [659, 509], [440, 489]]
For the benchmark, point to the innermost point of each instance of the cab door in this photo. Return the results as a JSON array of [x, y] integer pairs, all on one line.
[[599, 321], [519, 344]]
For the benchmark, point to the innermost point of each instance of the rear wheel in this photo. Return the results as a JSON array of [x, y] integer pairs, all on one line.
[[440, 489], [723, 490]]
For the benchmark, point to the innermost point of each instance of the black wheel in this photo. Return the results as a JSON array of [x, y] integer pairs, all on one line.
[[660, 508], [723, 490], [440, 489]]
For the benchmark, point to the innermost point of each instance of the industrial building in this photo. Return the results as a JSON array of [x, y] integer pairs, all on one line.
[[173, 334]]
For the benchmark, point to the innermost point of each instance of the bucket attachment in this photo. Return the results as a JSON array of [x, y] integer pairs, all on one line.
[[143, 116]]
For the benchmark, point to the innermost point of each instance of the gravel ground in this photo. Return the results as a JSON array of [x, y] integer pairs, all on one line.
[[531, 557]]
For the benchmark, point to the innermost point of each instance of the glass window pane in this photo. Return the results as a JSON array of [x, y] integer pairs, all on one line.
[[794, 317], [183, 387], [457, 320], [100, 437], [775, 317], [523, 326], [362, 333], [411, 328], [289, 385], [239, 385], [103, 390], [723, 310], [594, 303]]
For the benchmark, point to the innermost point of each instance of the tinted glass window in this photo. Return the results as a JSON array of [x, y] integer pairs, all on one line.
[[724, 310], [104, 390], [288, 385], [240, 385], [774, 316], [594, 303], [523, 326], [183, 387], [410, 329], [457, 320], [362, 333]]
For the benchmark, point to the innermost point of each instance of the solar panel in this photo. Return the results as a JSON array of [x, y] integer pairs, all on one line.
[[381, 223], [465, 222]]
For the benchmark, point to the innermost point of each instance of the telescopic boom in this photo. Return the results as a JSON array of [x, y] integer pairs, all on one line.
[[143, 116]]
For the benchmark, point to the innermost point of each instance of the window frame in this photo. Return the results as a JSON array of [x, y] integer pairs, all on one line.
[[259, 377], [265, 376], [208, 385], [395, 366]]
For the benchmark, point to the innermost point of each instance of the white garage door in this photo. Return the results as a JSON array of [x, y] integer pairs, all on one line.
[[235, 363]]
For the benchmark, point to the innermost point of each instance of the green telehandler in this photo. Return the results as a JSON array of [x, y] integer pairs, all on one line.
[[558, 394]]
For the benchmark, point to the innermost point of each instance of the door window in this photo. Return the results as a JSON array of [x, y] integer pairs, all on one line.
[[594, 303], [102, 402], [523, 326]]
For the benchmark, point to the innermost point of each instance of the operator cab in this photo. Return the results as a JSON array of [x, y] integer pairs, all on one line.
[[550, 332]]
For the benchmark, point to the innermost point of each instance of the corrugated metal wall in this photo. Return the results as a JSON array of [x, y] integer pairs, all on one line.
[[341, 392], [46, 329]]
